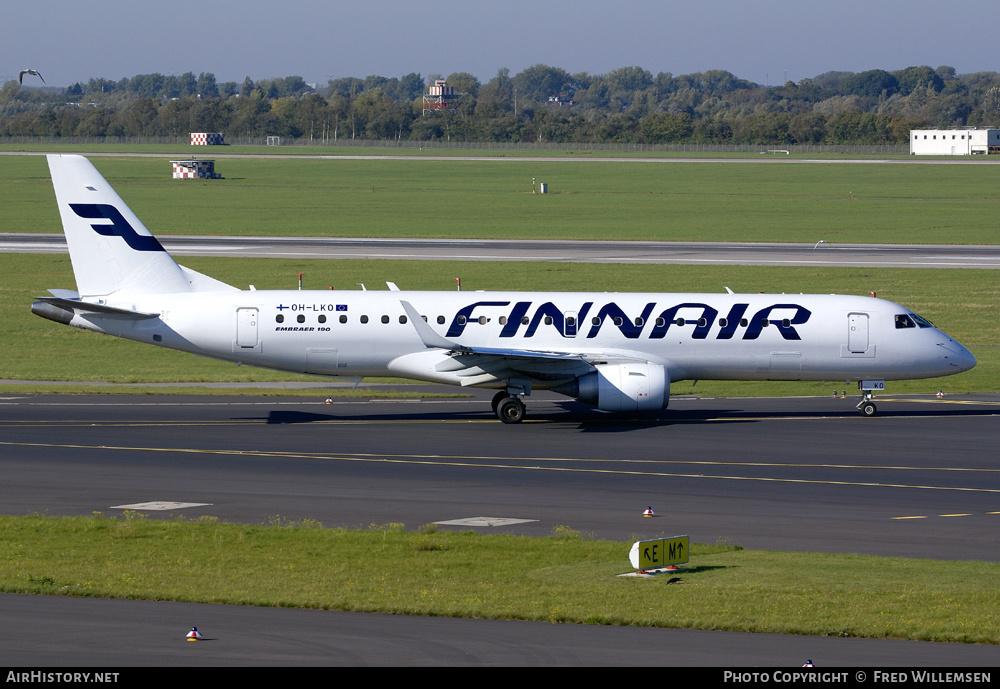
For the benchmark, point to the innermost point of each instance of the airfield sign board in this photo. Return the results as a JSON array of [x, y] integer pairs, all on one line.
[[660, 552]]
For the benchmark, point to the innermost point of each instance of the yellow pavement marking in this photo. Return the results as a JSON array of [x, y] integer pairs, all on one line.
[[438, 460]]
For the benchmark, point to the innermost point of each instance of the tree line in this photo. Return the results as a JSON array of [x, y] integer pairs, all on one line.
[[539, 104]]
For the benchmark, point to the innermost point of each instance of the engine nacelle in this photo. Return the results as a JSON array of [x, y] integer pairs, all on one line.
[[626, 387]]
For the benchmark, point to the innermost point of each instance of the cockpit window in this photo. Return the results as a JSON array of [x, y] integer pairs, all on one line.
[[911, 320]]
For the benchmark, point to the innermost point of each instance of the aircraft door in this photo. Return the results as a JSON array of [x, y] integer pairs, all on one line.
[[246, 328], [857, 333]]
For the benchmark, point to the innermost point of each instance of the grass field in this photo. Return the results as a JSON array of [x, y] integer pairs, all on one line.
[[563, 578], [410, 197]]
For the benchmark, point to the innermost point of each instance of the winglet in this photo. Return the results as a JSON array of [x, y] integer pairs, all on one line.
[[427, 335]]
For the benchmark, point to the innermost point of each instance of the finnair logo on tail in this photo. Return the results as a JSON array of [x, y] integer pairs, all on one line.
[[119, 226]]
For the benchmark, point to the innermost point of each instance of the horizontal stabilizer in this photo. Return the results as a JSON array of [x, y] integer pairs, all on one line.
[[77, 306]]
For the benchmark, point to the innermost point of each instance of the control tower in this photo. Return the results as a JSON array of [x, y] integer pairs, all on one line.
[[437, 97]]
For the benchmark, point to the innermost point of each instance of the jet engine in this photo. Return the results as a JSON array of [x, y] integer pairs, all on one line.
[[622, 387]]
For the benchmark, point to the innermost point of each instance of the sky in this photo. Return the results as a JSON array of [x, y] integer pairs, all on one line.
[[764, 42]]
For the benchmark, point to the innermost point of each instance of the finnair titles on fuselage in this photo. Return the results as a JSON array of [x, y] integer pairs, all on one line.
[[617, 352]]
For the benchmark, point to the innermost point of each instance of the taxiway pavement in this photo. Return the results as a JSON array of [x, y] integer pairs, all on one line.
[[559, 251], [799, 474]]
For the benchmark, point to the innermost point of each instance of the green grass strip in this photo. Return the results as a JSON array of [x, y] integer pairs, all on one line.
[[598, 200], [562, 578]]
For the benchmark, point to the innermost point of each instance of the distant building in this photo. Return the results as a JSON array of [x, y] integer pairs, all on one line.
[[954, 142], [208, 139], [195, 169], [559, 101]]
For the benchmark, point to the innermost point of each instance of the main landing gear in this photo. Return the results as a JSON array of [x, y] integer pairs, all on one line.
[[508, 408]]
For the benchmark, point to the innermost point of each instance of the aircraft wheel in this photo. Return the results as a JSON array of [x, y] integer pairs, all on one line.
[[511, 410], [497, 399], [868, 409]]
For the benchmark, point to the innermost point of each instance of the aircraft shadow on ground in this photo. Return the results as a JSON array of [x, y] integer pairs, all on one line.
[[589, 420]]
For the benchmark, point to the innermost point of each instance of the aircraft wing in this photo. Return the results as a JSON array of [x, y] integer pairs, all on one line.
[[478, 365], [432, 340]]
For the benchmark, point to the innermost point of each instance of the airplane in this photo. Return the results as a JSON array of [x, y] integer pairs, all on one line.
[[617, 352]]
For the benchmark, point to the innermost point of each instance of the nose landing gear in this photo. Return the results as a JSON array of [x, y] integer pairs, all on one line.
[[868, 388], [866, 406]]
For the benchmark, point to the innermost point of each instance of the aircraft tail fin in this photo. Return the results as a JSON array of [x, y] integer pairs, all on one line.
[[112, 252]]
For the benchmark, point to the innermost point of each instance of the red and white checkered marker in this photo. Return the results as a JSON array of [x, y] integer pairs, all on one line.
[[194, 634]]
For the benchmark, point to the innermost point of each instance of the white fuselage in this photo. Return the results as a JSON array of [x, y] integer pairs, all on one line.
[[694, 336]]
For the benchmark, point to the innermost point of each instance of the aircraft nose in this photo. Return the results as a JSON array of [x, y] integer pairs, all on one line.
[[958, 357]]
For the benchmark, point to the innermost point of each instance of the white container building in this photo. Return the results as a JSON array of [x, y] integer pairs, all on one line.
[[954, 142]]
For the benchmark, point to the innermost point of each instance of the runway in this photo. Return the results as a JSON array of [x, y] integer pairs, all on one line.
[[691, 253], [809, 474]]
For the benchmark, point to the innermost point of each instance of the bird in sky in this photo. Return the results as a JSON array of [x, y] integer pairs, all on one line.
[[32, 72]]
